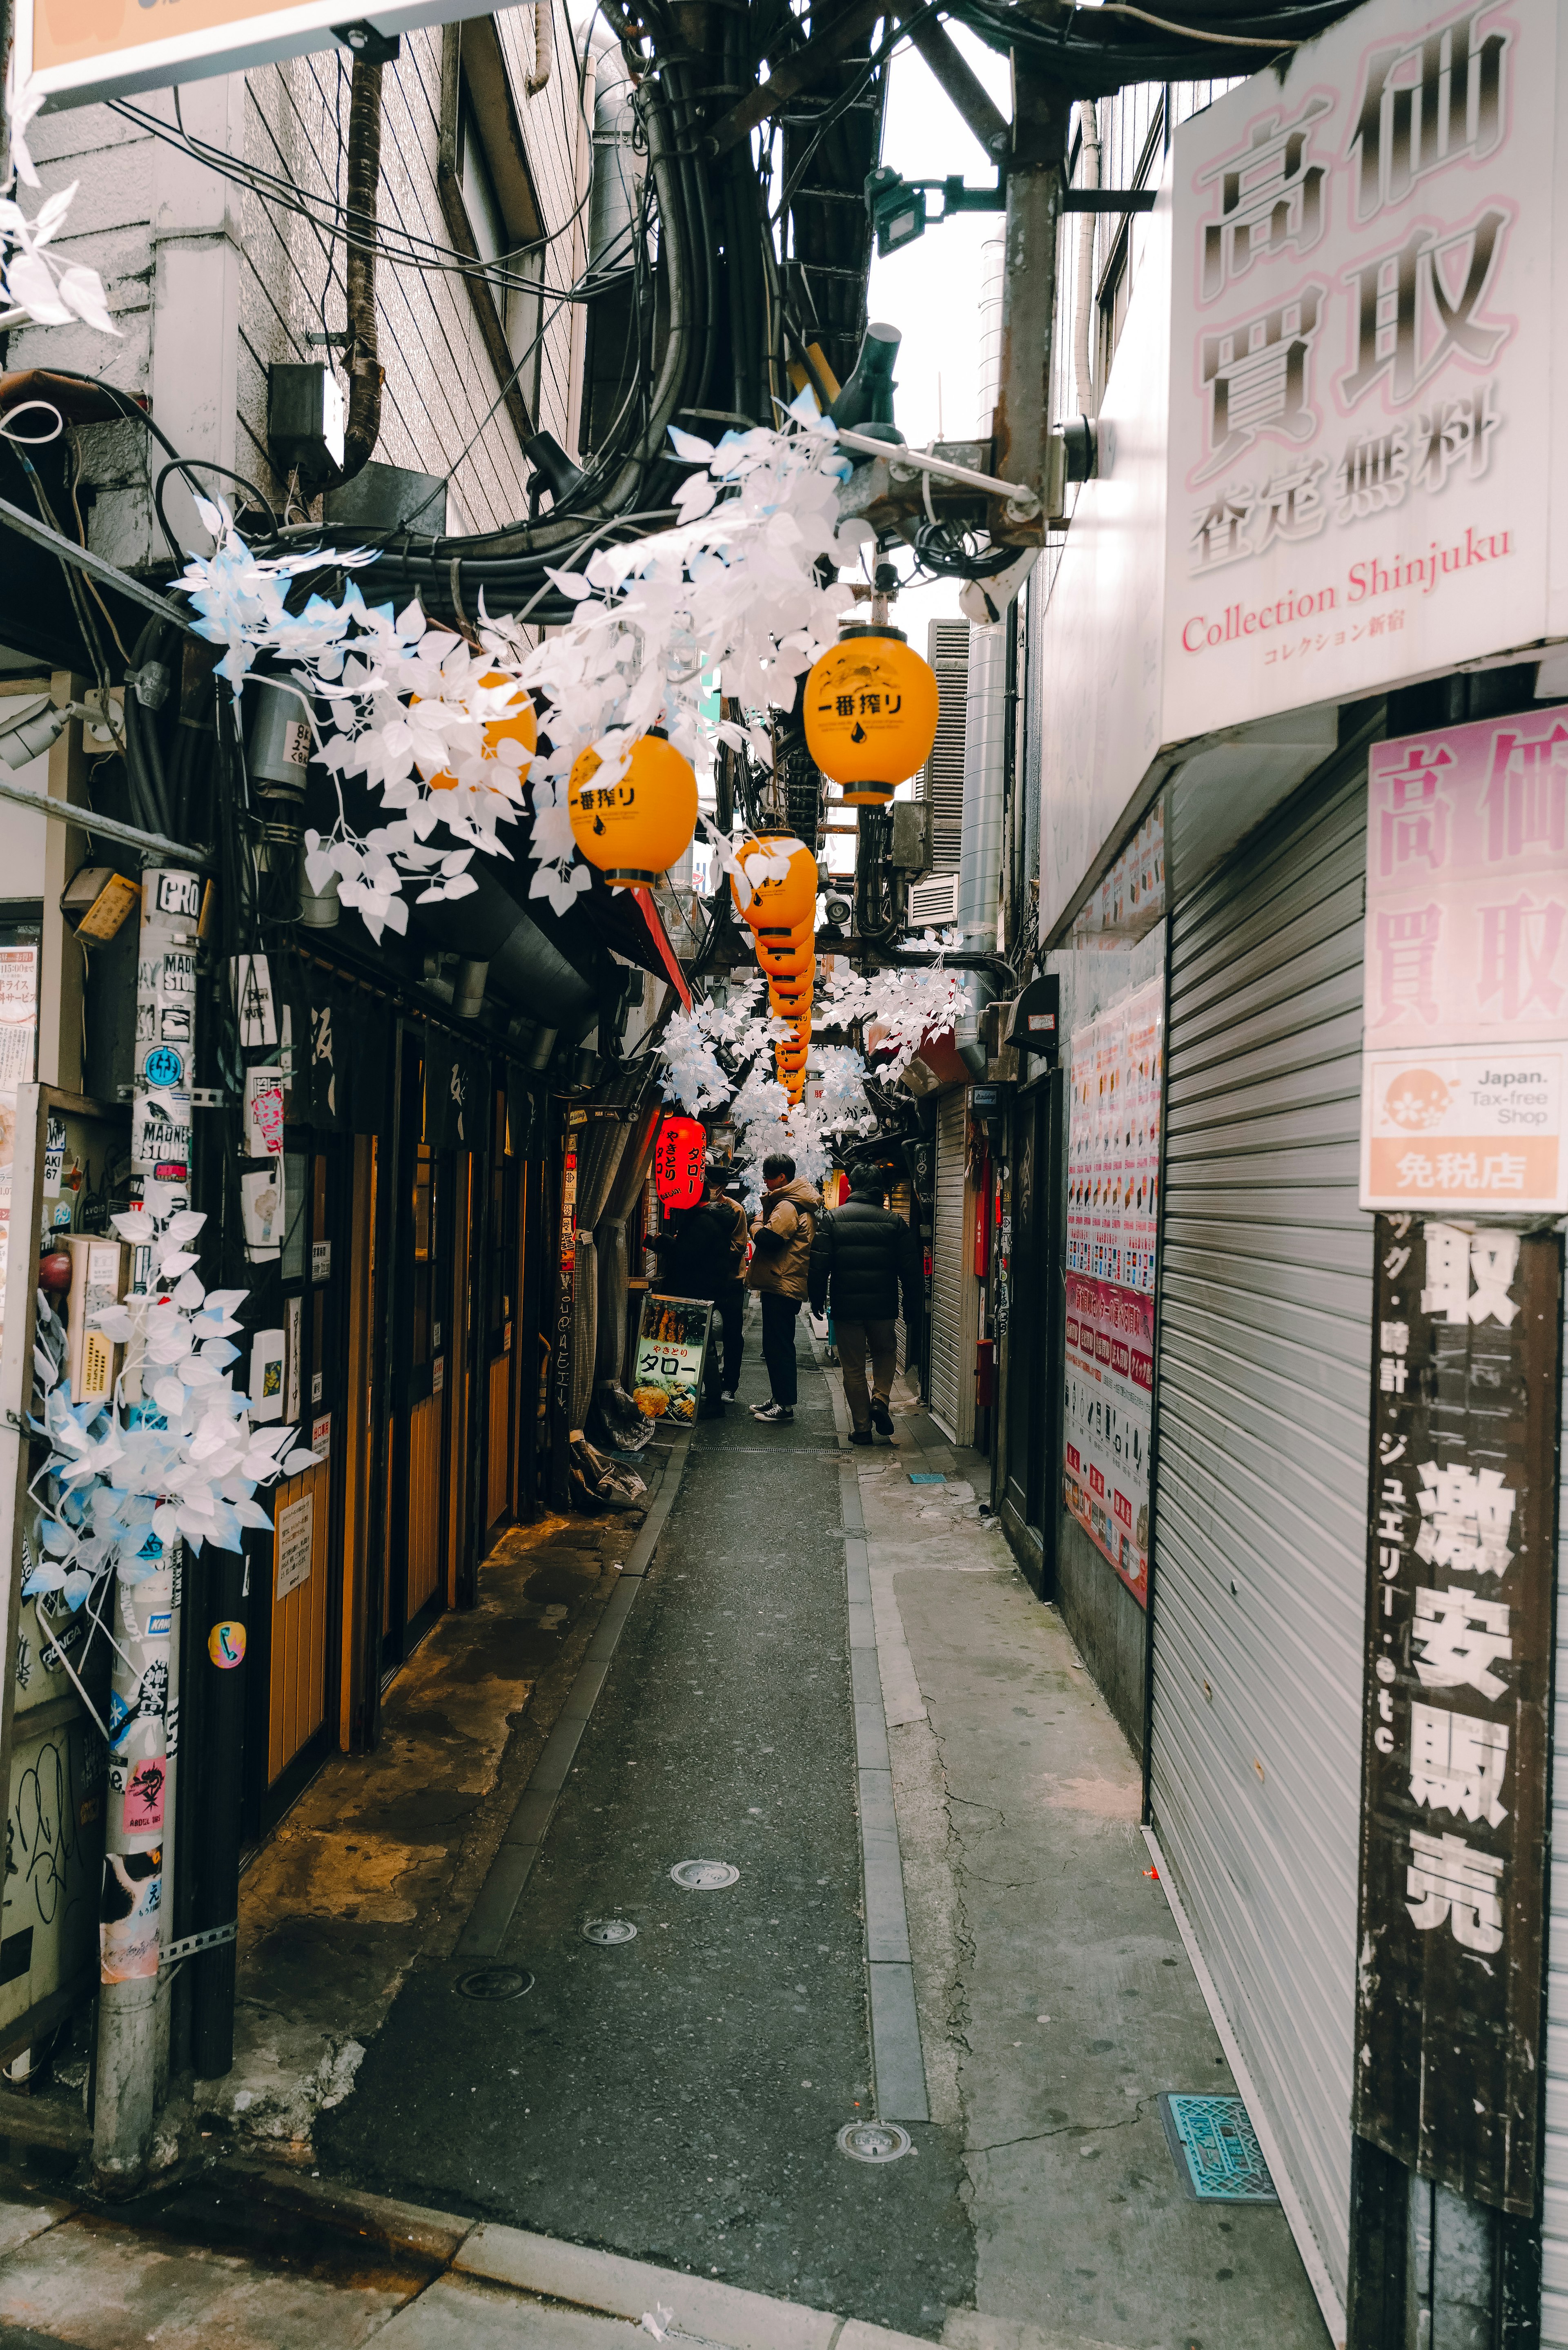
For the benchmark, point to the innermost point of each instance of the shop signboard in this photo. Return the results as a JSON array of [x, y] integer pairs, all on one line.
[[1461, 1549], [1113, 1178], [1361, 332], [670, 1355], [1465, 1043], [74, 51]]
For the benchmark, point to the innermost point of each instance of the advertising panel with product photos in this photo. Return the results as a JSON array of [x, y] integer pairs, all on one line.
[[1116, 1073], [70, 1169], [1465, 1034]]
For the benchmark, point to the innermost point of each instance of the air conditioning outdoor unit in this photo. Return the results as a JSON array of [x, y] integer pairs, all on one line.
[[933, 905]]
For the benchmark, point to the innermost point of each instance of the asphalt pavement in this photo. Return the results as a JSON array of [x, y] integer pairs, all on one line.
[[677, 2097]]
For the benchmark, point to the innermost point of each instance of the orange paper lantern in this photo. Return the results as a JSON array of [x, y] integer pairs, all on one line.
[[679, 1157], [520, 725], [871, 708], [778, 883], [636, 830]]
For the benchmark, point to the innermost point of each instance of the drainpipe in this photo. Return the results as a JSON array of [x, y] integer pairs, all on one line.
[[979, 862], [362, 357]]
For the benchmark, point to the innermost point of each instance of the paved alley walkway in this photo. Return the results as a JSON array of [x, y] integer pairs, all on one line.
[[679, 2098], [834, 1680]]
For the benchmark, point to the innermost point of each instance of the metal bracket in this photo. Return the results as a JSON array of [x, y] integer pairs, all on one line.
[[211, 1938], [210, 1097]]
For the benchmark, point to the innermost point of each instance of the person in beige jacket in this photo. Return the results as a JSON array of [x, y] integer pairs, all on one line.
[[782, 1235]]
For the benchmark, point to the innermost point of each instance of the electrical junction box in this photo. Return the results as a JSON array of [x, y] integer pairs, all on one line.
[[304, 419], [911, 850]]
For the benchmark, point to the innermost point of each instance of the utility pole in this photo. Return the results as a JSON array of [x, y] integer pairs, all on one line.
[[133, 2006], [1035, 176]]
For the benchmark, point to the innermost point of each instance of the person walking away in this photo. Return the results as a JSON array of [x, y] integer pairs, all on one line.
[[781, 1236], [729, 1299], [697, 1258], [862, 1259]]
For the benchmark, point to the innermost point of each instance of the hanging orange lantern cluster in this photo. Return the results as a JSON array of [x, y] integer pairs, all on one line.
[[871, 712], [776, 895], [636, 829]]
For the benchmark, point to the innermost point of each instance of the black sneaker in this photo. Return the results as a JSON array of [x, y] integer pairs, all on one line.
[[773, 1413], [861, 1436], [881, 1417]]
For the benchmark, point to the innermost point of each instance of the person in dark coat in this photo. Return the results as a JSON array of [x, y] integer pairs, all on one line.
[[702, 1253], [862, 1260]]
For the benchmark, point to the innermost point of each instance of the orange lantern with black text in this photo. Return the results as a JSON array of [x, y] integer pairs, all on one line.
[[637, 827], [518, 725], [777, 886], [871, 708], [680, 1156]]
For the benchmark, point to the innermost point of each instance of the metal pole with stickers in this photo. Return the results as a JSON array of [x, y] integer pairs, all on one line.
[[133, 1996]]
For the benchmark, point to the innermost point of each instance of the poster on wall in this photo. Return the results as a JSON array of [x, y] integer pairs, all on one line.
[[1115, 1075], [1466, 1027]]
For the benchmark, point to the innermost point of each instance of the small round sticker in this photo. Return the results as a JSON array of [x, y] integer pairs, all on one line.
[[163, 1066], [226, 1646]]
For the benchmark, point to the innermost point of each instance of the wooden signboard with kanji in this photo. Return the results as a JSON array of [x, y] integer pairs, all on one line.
[[1461, 1542]]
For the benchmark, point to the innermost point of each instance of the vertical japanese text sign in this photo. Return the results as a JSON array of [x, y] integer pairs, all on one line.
[[1461, 1542], [1361, 356], [1466, 1034]]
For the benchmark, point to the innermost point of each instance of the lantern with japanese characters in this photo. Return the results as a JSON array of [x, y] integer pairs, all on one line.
[[871, 712], [639, 822], [511, 738], [775, 893], [678, 1157]]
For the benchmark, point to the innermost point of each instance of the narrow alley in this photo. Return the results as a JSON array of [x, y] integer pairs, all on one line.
[[679, 2096]]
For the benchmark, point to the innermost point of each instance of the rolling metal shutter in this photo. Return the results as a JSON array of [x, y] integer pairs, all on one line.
[[1262, 1467], [947, 1263]]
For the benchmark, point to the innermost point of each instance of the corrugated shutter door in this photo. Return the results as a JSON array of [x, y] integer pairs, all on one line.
[[1554, 2212], [1260, 1533], [947, 1262]]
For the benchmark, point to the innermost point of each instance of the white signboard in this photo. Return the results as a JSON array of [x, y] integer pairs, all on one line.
[[1467, 969], [75, 53], [293, 1531], [1360, 364]]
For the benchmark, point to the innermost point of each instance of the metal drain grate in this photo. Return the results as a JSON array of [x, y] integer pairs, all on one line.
[[874, 2141], [495, 1982], [608, 1931], [704, 1876], [1216, 2150]]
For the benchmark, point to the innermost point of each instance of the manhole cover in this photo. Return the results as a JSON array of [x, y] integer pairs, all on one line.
[[874, 2141], [606, 1931], [1216, 2150], [495, 1982], [703, 1876]]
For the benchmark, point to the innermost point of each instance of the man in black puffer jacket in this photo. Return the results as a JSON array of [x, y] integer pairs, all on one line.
[[861, 1259]]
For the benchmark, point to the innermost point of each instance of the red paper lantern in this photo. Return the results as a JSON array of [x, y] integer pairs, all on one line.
[[679, 1157]]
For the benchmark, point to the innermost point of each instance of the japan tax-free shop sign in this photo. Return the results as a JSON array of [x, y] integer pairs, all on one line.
[[1361, 469], [73, 51], [1465, 1041]]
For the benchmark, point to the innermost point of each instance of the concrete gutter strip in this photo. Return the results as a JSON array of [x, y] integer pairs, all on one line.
[[496, 1904], [615, 2287], [898, 2060]]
